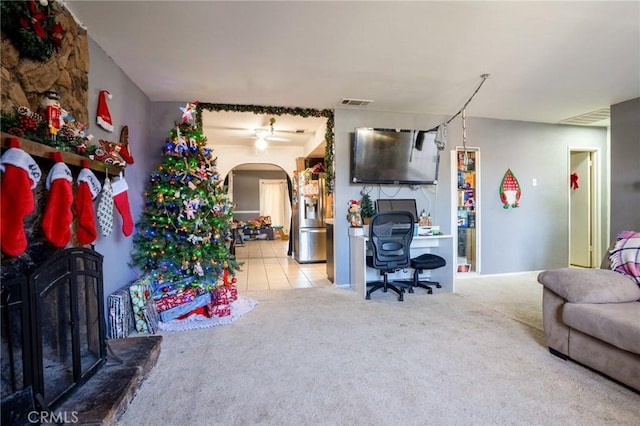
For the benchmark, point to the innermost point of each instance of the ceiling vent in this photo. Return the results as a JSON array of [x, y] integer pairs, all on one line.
[[590, 118], [354, 102]]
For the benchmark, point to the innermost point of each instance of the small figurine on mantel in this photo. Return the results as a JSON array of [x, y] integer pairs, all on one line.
[[52, 113], [353, 216]]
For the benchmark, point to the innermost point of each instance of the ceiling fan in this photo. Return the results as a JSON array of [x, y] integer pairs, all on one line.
[[262, 131], [269, 133]]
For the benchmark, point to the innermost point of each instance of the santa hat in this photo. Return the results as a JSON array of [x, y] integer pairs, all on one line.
[[103, 117]]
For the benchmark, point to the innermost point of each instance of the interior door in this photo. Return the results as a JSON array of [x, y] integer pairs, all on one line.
[[580, 237]]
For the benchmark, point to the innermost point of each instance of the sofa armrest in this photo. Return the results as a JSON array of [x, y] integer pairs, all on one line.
[[590, 285]]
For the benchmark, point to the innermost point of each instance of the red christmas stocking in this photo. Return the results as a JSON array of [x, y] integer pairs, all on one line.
[[121, 201], [56, 222], [88, 190], [20, 175]]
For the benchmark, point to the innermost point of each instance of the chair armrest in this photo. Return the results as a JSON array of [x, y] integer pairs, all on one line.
[[590, 285]]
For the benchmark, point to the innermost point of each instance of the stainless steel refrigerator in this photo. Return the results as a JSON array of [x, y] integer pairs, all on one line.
[[309, 213]]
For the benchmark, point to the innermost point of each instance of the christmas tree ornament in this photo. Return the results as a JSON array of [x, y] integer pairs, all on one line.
[[105, 208], [103, 116], [88, 190], [510, 190], [56, 222], [121, 202], [20, 175]]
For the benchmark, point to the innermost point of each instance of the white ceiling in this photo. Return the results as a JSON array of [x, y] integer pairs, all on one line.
[[243, 129], [549, 61]]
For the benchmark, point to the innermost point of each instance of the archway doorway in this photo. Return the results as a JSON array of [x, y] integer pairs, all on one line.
[[258, 190]]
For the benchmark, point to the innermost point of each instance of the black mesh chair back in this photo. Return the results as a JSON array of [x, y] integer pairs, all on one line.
[[390, 236]]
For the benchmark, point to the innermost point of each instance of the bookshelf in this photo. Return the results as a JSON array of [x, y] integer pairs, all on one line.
[[466, 208]]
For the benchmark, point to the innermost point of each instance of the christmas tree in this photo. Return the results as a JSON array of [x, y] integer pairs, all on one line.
[[185, 227], [366, 206]]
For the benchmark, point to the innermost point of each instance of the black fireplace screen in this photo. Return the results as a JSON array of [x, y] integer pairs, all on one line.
[[64, 310]]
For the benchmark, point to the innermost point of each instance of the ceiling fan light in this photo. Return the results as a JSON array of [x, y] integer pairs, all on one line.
[[261, 144]]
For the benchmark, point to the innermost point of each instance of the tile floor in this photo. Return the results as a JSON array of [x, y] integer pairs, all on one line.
[[267, 267]]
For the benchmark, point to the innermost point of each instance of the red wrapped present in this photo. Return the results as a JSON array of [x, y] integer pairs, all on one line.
[[173, 313], [209, 311], [218, 310], [224, 295], [180, 297]]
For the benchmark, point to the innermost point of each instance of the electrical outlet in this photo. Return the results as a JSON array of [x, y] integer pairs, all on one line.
[[534, 182]]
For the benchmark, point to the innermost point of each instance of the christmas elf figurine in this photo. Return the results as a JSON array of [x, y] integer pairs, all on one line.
[[353, 216]]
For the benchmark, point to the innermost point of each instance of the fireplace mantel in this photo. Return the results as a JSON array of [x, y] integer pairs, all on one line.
[[44, 151]]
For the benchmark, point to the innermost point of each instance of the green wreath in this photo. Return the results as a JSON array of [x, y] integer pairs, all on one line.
[[32, 27]]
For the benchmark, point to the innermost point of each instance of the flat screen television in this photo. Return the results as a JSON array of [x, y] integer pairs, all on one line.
[[390, 156]]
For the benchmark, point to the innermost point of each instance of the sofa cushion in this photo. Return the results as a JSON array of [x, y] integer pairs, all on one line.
[[590, 285], [615, 323]]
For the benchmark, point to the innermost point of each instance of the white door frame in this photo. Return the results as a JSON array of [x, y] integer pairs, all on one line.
[[596, 203]]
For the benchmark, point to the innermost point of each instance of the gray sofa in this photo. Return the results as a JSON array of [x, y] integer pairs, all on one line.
[[592, 316]]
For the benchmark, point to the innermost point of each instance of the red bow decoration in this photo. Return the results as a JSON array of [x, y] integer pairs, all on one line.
[[36, 20], [574, 180]]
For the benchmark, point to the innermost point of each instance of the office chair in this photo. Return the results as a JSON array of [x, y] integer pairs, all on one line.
[[424, 262], [390, 236]]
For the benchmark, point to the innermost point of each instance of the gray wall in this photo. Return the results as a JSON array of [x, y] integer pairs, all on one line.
[[532, 237], [130, 107], [625, 170], [246, 190]]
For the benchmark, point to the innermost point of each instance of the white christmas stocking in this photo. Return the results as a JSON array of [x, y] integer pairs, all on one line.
[[105, 208]]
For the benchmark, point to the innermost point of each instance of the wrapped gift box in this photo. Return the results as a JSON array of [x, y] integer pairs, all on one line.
[[151, 316], [165, 301], [218, 310], [140, 293], [224, 295], [121, 321], [185, 308]]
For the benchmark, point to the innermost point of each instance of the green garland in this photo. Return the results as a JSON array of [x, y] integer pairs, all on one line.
[[273, 110], [10, 123], [31, 27]]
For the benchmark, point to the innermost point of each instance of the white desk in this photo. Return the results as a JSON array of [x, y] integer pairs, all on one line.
[[438, 244]]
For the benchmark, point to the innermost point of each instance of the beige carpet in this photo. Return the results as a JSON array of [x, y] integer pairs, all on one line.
[[325, 356]]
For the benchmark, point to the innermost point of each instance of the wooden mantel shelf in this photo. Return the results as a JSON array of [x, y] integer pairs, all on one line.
[[44, 151]]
